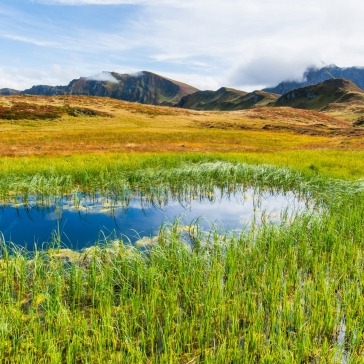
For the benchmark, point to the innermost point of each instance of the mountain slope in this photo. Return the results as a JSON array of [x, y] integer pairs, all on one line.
[[143, 87], [322, 95], [46, 90], [226, 99], [317, 75], [8, 92]]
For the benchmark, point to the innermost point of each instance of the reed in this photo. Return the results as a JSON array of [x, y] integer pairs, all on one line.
[[177, 179], [289, 293]]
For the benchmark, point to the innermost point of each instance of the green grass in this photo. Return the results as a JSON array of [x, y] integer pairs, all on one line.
[[150, 176], [337, 164], [280, 294]]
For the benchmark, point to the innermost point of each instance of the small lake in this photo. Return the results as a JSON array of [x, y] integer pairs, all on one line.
[[96, 219]]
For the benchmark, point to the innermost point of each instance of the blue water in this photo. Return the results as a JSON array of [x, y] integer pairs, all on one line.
[[95, 220]]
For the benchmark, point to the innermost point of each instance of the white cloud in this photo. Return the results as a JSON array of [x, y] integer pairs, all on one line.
[[89, 2], [30, 40], [103, 76], [256, 42], [137, 74], [207, 43], [15, 78], [21, 78], [270, 68], [105, 2]]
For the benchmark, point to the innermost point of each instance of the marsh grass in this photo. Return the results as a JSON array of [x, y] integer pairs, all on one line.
[[281, 293], [176, 180]]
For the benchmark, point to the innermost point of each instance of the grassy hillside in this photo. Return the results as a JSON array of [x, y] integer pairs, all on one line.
[[226, 99], [66, 125], [323, 95]]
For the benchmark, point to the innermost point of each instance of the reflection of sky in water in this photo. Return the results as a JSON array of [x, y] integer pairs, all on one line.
[[96, 219]]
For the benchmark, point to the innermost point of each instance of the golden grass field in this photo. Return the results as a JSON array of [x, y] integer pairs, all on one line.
[[105, 128]]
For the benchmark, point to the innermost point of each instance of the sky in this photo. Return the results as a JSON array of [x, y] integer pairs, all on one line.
[[245, 44]]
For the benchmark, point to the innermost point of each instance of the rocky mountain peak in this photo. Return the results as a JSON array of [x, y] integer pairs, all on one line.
[[144, 87], [314, 75]]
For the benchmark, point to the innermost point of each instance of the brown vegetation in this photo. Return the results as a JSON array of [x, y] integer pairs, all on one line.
[[39, 125], [33, 111]]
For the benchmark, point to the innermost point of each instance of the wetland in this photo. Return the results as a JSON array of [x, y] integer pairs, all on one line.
[[285, 291], [79, 221]]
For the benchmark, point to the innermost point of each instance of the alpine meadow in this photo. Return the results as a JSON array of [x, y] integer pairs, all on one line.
[[288, 292]]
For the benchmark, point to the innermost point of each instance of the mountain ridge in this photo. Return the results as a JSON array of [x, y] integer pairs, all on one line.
[[149, 88], [144, 87], [8, 92], [314, 75], [226, 99], [320, 96]]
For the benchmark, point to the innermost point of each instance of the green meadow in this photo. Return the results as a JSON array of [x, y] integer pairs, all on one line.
[[286, 293]]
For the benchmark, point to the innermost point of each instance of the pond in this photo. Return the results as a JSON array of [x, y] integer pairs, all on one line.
[[90, 220]]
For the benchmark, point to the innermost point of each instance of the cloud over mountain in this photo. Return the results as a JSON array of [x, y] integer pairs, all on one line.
[[143, 87], [211, 42], [103, 77]]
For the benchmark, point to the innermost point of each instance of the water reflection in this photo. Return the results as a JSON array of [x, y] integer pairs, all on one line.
[[81, 221]]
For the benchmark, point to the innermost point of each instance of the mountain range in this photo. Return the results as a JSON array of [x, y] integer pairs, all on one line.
[[323, 95], [320, 89], [315, 75], [9, 92], [143, 87], [226, 99]]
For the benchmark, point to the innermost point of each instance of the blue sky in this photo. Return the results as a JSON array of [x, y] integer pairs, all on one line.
[[247, 44]]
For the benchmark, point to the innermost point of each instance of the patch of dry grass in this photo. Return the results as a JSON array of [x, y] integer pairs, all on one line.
[[145, 128]]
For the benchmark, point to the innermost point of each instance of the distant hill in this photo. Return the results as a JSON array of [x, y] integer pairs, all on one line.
[[320, 96], [46, 90], [143, 87], [321, 89], [316, 75], [226, 99], [8, 92]]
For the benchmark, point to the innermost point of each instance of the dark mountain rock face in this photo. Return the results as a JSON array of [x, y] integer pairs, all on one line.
[[144, 87], [226, 99], [8, 92], [318, 97], [46, 90], [316, 75]]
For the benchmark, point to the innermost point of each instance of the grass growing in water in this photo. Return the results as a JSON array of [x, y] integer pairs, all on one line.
[[176, 178], [283, 294]]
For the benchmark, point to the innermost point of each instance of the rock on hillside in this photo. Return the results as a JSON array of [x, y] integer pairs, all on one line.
[[315, 75], [226, 99], [144, 87], [320, 96]]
